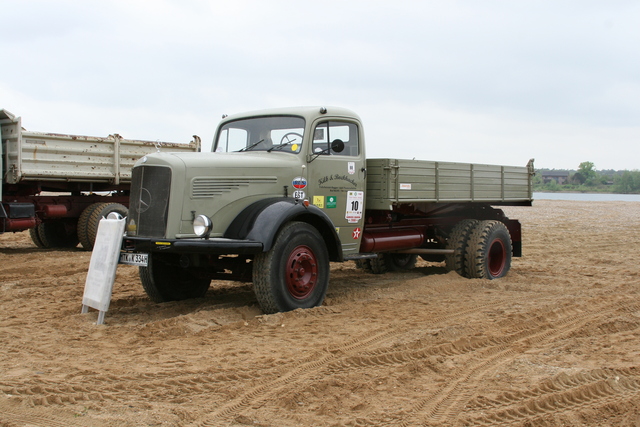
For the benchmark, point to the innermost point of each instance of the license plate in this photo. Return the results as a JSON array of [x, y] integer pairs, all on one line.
[[141, 260]]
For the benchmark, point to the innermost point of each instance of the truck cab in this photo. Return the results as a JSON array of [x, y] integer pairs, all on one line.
[[204, 216]]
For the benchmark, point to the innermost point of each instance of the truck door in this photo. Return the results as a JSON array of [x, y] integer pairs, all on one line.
[[336, 177]]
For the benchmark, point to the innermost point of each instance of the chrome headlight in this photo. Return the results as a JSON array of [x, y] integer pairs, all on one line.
[[202, 225]]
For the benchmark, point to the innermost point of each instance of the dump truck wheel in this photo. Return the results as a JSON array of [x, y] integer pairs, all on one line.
[[399, 262], [294, 273], [35, 237], [489, 251], [96, 215], [392, 262], [458, 241], [165, 280], [83, 225], [57, 234], [364, 264]]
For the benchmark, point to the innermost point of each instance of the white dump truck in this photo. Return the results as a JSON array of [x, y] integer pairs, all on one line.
[[59, 186]]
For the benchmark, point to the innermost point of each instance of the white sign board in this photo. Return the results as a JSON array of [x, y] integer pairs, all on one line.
[[103, 265]]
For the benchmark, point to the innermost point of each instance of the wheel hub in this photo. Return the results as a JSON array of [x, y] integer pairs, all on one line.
[[497, 257], [302, 272]]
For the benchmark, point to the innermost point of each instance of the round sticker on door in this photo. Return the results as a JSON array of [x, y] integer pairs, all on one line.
[[299, 182]]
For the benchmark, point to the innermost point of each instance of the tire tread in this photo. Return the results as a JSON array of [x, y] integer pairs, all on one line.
[[268, 285], [96, 215], [480, 238], [83, 226], [458, 241]]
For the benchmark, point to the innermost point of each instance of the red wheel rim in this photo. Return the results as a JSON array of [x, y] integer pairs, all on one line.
[[302, 272], [497, 258]]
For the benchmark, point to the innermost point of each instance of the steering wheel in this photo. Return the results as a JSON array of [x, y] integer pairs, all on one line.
[[288, 140]]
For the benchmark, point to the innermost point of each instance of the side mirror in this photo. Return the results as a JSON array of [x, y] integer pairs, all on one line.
[[337, 145]]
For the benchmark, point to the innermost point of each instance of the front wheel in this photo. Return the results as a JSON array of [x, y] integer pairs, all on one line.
[[489, 250], [165, 280], [294, 273]]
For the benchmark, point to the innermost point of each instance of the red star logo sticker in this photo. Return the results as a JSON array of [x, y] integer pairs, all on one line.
[[356, 233]]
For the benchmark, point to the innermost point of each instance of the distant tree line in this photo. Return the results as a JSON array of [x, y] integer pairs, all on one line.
[[587, 179]]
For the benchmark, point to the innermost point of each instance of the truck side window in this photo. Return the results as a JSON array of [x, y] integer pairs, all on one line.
[[327, 132]]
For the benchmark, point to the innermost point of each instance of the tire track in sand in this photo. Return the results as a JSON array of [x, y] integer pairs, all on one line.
[[273, 389], [449, 401], [591, 389], [34, 418]]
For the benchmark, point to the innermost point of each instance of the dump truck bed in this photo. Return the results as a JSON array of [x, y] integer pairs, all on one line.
[[35, 156], [397, 181]]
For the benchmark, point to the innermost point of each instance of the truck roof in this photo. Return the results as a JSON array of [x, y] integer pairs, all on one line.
[[308, 113]]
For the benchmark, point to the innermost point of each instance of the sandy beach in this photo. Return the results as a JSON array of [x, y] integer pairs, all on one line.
[[554, 343]]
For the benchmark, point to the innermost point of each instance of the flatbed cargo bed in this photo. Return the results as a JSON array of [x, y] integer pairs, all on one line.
[[397, 181]]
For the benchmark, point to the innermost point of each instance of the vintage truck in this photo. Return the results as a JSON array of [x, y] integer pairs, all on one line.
[[287, 191], [59, 186]]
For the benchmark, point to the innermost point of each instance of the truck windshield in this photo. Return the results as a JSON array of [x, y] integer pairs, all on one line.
[[273, 133]]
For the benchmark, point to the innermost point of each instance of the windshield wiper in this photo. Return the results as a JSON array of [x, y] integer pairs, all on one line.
[[249, 147], [280, 147]]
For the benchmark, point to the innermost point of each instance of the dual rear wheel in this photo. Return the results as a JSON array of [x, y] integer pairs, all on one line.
[[66, 232], [54, 234], [481, 249], [90, 219]]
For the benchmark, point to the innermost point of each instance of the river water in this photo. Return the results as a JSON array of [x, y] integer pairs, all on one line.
[[589, 197]]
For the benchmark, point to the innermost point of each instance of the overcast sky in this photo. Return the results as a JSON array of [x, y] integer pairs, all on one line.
[[489, 81]]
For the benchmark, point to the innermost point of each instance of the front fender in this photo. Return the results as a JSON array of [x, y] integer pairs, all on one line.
[[262, 220]]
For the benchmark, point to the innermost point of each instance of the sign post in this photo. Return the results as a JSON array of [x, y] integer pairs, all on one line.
[[102, 268]]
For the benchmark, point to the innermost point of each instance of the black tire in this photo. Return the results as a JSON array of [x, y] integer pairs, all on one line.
[[294, 273], [165, 280], [58, 234], [400, 262], [35, 237], [393, 262], [489, 251], [83, 226], [99, 212], [458, 241], [433, 257], [364, 264]]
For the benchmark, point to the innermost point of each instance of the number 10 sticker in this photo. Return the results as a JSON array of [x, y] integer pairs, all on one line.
[[355, 201]]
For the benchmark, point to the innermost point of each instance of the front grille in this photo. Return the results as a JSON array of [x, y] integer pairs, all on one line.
[[149, 201]]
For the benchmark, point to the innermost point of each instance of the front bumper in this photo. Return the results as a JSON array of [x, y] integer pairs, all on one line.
[[219, 245]]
